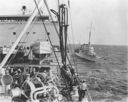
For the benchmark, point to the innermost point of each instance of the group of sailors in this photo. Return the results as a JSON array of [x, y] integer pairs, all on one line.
[[74, 83]]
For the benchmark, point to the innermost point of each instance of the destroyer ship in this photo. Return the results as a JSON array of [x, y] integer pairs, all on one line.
[[86, 51], [35, 64]]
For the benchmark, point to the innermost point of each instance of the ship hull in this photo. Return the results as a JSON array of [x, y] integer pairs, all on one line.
[[86, 57]]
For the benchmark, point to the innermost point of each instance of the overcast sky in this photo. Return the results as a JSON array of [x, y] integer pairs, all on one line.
[[109, 18]]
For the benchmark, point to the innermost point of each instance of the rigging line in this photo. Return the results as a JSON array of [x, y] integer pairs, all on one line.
[[58, 3], [51, 17], [73, 60], [72, 48], [73, 57], [69, 61], [72, 32], [47, 34]]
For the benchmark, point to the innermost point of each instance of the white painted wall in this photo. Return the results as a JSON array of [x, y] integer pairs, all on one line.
[[7, 29]]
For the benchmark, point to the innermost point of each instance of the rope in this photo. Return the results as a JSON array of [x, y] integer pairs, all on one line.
[[48, 34], [50, 16], [73, 58], [54, 24], [72, 32]]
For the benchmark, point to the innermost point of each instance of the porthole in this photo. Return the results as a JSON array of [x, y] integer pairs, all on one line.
[[34, 32], [27, 48], [14, 33], [27, 32]]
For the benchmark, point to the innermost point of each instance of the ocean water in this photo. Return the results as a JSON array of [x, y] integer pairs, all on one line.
[[107, 77]]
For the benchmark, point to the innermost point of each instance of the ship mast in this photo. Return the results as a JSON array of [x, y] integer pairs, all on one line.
[[89, 43], [20, 36], [63, 25]]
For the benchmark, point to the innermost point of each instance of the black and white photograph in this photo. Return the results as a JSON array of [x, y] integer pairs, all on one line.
[[63, 51]]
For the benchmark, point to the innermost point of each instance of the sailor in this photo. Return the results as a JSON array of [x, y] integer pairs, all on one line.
[[72, 70], [82, 90], [32, 72], [44, 76]]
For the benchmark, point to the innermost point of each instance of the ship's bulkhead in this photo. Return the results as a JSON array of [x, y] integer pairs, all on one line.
[[10, 30]]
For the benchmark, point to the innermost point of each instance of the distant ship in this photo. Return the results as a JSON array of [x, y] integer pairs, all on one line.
[[86, 51]]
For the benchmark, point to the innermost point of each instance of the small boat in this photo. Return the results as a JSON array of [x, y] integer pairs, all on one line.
[[86, 51]]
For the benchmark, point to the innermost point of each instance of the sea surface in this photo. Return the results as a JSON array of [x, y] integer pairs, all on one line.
[[107, 77]]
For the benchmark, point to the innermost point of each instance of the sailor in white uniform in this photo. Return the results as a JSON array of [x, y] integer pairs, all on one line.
[[82, 90]]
